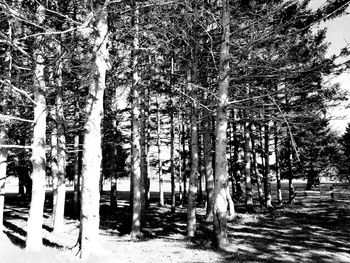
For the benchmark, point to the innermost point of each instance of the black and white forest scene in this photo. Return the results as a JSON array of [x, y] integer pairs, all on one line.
[[177, 131]]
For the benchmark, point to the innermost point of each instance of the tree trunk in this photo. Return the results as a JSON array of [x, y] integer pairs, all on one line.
[[256, 170], [35, 220], [231, 131], [135, 134], [236, 184], [184, 169], [181, 169], [92, 152], [208, 164], [193, 180], [160, 163], [200, 170], [247, 160], [54, 157], [267, 181], [3, 166], [58, 223], [290, 173], [277, 165], [114, 192], [61, 159], [78, 141], [172, 157], [221, 173], [143, 151], [114, 175]]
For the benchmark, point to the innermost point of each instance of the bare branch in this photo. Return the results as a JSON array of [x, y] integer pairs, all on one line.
[[8, 117], [15, 146], [24, 93], [288, 127]]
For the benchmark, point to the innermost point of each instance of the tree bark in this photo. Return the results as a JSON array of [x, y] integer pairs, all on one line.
[[92, 152], [143, 151], [290, 172], [114, 192], [172, 157], [135, 134], [77, 171], [193, 180], [183, 142], [267, 181], [200, 165], [181, 194], [54, 157], [160, 163], [236, 184], [208, 164], [221, 173], [256, 170], [247, 160], [35, 220], [3, 166], [58, 225], [277, 165]]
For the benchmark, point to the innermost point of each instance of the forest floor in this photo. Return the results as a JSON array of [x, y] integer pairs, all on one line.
[[314, 229]]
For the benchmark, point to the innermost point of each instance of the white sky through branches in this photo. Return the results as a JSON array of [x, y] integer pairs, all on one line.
[[338, 34]]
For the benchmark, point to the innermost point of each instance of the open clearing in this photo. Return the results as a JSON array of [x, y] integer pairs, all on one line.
[[315, 229]]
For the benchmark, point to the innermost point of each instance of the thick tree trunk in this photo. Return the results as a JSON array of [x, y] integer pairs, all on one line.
[[135, 135], [61, 161], [35, 220], [221, 173], [3, 166], [92, 152]]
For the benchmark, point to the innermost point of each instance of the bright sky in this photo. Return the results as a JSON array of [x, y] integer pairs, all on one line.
[[338, 34]]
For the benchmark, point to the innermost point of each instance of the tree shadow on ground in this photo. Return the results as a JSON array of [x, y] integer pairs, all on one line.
[[316, 232], [158, 221], [16, 217]]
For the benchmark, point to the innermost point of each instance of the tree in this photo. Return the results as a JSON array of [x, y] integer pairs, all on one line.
[[92, 153], [35, 220], [343, 163], [3, 166], [136, 162], [221, 173]]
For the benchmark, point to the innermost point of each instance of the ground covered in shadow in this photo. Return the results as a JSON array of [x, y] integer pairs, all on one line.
[[310, 231]]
